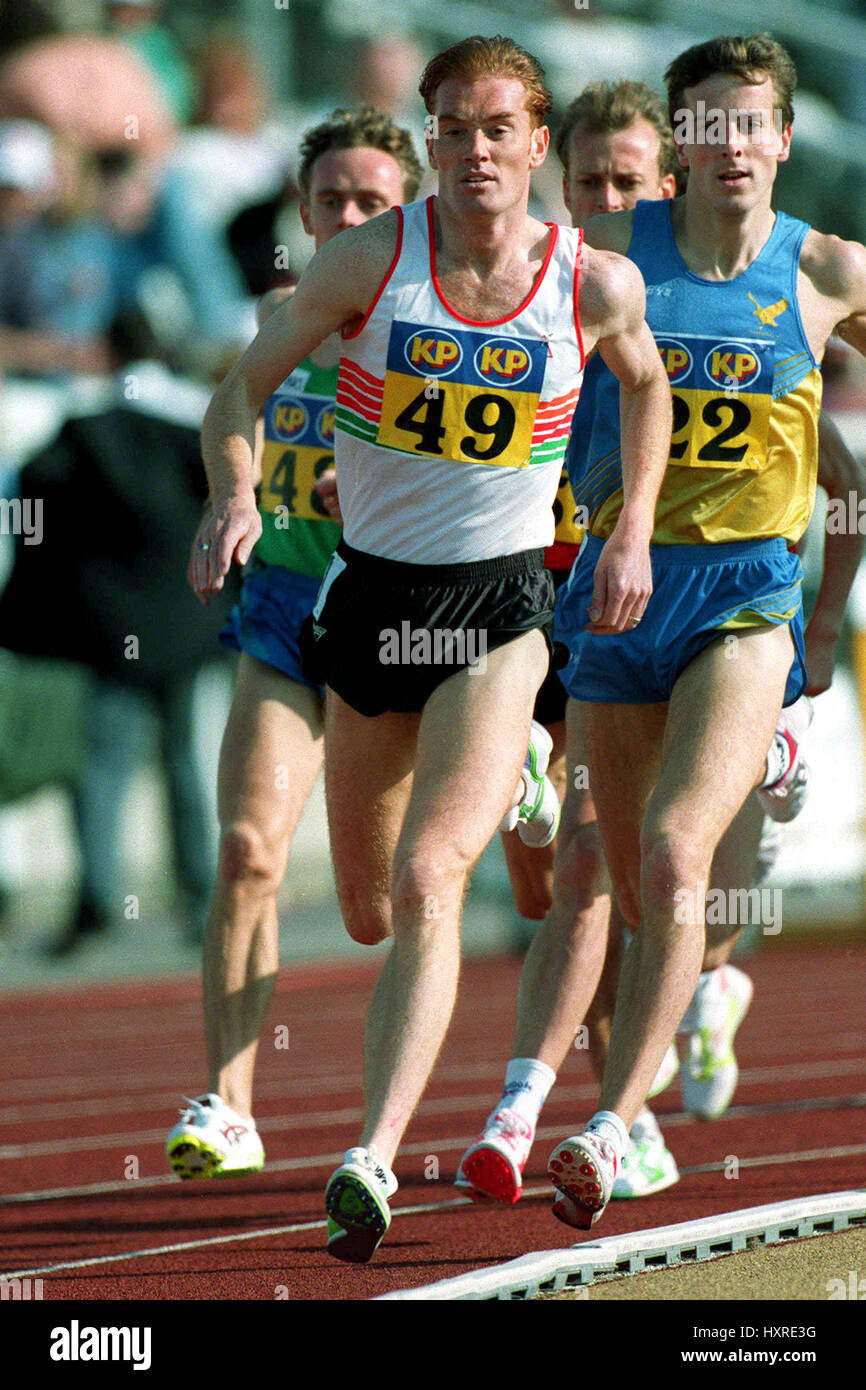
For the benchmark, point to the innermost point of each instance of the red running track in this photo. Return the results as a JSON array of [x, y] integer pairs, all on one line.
[[94, 1077]]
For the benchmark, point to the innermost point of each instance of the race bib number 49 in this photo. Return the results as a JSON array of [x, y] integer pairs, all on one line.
[[468, 396], [722, 395], [299, 447]]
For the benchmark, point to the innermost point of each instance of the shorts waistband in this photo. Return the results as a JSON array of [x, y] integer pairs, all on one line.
[[472, 572], [723, 553]]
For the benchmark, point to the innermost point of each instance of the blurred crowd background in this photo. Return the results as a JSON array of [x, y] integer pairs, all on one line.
[[148, 196]]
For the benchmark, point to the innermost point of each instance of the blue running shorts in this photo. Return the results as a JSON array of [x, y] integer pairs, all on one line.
[[700, 593], [266, 622]]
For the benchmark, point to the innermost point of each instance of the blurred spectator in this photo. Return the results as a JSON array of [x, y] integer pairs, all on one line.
[[266, 240], [56, 264], [171, 260], [230, 156], [120, 495], [89, 88], [136, 23]]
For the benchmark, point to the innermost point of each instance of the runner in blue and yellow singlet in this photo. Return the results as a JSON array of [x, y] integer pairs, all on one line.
[[678, 715], [353, 167]]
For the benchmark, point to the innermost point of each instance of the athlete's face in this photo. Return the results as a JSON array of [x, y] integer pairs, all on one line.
[[483, 144], [730, 137], [348, 187], [612, 171]]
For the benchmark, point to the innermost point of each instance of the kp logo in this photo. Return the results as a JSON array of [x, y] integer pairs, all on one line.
[[732, 362], [290, 419], [676, 358], [502, 360], [325, 424], [433, 353]]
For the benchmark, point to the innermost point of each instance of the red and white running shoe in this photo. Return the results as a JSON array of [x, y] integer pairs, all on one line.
[[492, 1169], [583, 1170]]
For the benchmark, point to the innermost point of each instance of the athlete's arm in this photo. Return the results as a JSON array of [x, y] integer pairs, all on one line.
[[334, 292], [840, 474], [613, 303]]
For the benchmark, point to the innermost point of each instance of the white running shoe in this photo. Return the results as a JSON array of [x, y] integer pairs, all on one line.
[[212, 1141], [536, 814], [493, 1168], [668, 1068], [356, 1201], [647, 1165], [583, 1170], [784, 800], [710, 1072]]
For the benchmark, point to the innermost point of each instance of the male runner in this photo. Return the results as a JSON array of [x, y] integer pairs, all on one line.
[[352, 167], [616, 147], [741, 301], [460, 373]]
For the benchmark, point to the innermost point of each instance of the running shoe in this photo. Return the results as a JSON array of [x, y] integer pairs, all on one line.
[[356, 1200], [493, 1168], [670, 1065], [212, 1141], [710, 1072], [784, 800], [583, 1170], [647, 1165], [536, 814]]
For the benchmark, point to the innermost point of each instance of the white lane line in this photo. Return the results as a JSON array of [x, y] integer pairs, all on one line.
[[422, 1209], [443, 1105], [154, 1093]]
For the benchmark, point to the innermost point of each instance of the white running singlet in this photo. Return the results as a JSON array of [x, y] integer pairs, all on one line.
[[450, 432]]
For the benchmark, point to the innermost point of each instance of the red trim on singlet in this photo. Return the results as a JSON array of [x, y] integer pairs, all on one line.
[[390, 271], [577, 261], [484, 323]]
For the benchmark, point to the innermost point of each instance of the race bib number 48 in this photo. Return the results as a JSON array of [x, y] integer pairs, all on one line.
[[722, 395], [299, 447], [468, 396]]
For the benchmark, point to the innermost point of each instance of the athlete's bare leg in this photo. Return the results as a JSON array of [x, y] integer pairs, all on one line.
[[563, 963], [531, 870], [720, 723], [270, 756], [469, 746]]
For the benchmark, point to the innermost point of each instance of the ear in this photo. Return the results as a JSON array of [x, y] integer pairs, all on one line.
[[305, 217], [539, 142], [786, 143], [668, 186]]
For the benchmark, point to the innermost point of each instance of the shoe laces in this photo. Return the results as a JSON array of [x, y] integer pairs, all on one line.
[[511, 1126]]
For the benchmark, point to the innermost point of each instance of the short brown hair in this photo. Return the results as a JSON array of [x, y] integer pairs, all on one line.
[[605, 107], [746, 58], [497, 57], [365, 127]]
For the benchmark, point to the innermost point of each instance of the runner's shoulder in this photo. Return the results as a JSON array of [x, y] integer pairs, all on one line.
[[612, 291], [836, 268]]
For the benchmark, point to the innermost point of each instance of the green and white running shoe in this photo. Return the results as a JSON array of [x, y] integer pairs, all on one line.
[[356, 1200], [710, 1072], [212, 1141], [535, 816], [647, 1165]]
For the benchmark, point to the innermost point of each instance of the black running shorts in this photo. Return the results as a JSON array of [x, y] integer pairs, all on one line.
[[551, 698], [384, 634]]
